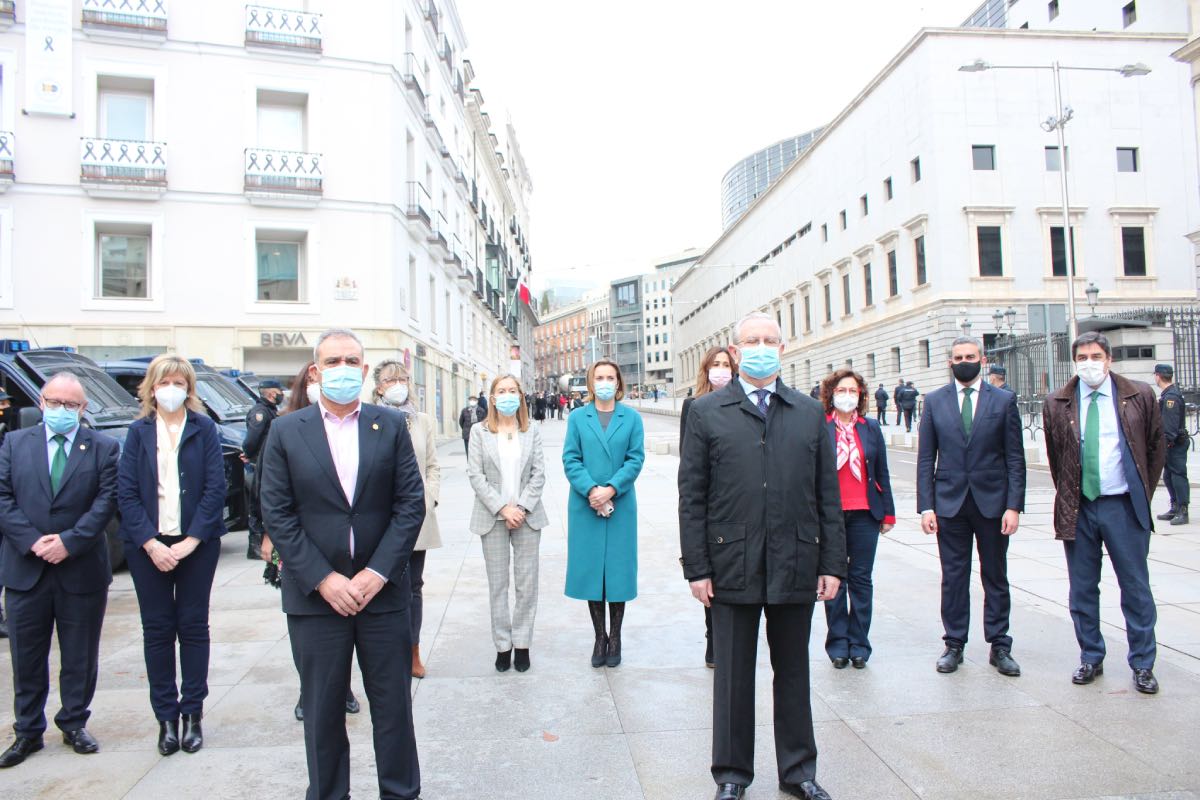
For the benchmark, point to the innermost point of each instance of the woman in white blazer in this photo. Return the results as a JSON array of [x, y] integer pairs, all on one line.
[[508, 472], [392, 390]]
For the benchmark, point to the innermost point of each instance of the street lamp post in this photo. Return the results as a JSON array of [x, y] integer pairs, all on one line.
[[1058, 124]]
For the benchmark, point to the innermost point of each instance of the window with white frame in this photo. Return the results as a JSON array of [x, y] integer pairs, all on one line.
[[125, 108], [122, 264], [279, 266]]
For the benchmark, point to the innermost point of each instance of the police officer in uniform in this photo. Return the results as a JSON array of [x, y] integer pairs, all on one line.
[[5, 405], [998, 377], [1174, 422], [258, 423]]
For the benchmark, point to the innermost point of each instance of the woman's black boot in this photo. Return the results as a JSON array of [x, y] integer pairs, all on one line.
[[616, 613], [600, 651], [168, 736], [193, 737]]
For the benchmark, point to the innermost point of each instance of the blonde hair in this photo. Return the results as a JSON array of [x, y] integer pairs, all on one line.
[[493, 416], [591, 379], [162, 367]]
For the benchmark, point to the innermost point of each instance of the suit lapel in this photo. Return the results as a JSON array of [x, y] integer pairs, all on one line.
[[593, 420], [79, 448], [983, 399], [41, 460], [618, 419], [526, 449], [370, 431], [312, 431]]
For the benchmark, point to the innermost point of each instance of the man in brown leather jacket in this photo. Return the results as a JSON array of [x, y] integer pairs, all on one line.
[[1105, 443]]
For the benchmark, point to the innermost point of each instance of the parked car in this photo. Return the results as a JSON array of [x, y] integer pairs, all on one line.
[[227, 405], [23, 373]]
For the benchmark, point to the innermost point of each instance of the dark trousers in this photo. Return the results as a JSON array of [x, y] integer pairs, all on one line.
[[416, 609], [881, 415], [1175, 474], [954, 548], [735, 651], [174, 608], [848, 615], [1111, 521], [322, 646], [33, 616], [466, 446], [908, 415]]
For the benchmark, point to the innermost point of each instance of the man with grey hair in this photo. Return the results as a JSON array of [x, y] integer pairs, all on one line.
[[971, 486], [761, 533], [343, 502], [58, 491]]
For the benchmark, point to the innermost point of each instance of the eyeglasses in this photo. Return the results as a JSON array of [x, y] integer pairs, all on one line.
[[754, 341], [54, 405]]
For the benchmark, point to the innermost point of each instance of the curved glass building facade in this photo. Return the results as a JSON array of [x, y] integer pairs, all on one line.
[[751, 176]]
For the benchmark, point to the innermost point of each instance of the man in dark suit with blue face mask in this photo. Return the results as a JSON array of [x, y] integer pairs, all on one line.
[[58, 485], [971, 487]]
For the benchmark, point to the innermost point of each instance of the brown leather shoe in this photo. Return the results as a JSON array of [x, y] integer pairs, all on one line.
[[418, 669]]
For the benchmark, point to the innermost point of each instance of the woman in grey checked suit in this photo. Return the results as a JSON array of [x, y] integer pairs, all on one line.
[[507, 472]]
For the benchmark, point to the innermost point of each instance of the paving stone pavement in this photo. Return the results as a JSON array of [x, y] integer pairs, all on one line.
[[566, 731]]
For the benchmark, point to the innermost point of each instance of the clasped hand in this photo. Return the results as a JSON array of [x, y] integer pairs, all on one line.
[[513, 516], [599, 497], [50, 548], [348, 596]]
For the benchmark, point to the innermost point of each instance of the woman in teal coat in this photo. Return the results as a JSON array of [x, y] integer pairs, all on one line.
[[602, 457]]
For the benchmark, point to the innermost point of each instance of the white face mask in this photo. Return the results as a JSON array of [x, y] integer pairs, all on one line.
[[719, 377], [396, 394], [1092, 373], [845, 402], [170, 398], [313, 390]]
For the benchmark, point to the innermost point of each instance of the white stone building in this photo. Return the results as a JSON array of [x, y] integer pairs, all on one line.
[[934, 197], [658, 317], [224, 180]]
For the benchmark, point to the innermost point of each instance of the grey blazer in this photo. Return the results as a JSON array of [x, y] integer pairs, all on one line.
[[483, 470]]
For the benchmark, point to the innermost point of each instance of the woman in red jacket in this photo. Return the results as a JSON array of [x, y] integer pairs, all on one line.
[[868, 507]]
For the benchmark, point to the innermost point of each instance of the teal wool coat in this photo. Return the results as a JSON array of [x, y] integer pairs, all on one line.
[[602, 553]]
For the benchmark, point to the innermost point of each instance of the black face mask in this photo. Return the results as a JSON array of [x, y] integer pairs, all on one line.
[[966, 371], [274, 401]]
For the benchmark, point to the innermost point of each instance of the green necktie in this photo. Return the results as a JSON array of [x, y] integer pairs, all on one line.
[[967, 411], [1091, 450], [59, 463]]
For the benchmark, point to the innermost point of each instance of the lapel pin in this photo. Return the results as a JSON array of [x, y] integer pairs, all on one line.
[[83, 447], [374, 426]]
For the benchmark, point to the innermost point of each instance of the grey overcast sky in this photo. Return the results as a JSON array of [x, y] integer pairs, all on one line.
[[629, 112]]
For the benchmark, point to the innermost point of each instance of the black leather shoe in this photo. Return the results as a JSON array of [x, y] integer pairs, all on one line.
[[858, 662], [1167, 515], [168, 737], [521, 659], [503, 661], [809, 790], [82, 741], [352, 706], [1144, 681], [614, 651], [1181, 516], [298, 711], [708, 654], [3, 626], [950, 659], [729, 791], [1085, 673], [193, 737], [600, 652], [1004, 663], [19, 750], [840, 662]]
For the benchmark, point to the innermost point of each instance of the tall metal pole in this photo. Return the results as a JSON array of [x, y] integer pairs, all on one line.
[[1072, 321]]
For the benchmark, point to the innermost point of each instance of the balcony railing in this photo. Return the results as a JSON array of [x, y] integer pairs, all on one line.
[[412, 76], [454, 254], [460, 175], [429, 7], [460, 86], [122, 161], [285, 171], [7, 145], [445, 50], [132, 16], [8, 12], [418, 203], [437, 230], [284, 28]]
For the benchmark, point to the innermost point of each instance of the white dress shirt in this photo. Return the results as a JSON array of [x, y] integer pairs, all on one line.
[[169, 512], [974, 387], [342, 435], [509, 447], [1112, 470]]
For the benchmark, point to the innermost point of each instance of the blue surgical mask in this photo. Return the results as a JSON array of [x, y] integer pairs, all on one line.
[[606, 390], [761, 361], [61, 420], [342, 384], [507, 404]]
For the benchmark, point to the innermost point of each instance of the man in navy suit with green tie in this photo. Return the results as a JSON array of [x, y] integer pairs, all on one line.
[[58, 486]]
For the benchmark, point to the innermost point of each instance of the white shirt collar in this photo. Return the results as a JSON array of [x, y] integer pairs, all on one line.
[[974, 385], [70, 437], [750, 388]]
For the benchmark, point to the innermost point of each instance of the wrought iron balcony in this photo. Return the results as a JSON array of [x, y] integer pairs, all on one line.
[[460, 175], [284, 28], [412, 77], [8, 12], [454, 253], [460, 86], [432, 15], [126, 16], [7, 145], [445, 50], [437, 231], [119, 161], [480, 290], [283, 172], [418, 203]]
